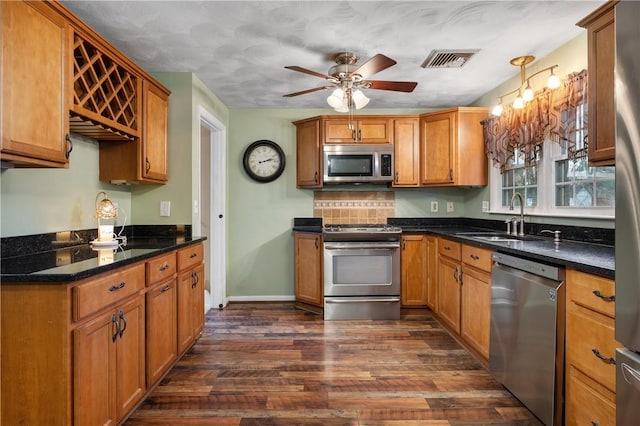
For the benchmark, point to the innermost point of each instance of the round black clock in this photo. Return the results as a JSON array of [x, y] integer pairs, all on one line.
[[264, 161]]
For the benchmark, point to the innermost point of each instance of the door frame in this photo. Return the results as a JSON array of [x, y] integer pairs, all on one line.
[[216, 264]]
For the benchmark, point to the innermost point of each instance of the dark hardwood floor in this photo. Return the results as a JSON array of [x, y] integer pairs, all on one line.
[[271, 364]]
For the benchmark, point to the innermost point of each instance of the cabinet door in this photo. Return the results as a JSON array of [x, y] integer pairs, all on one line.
[[308, 268], [584, 404], [432, 273], [437, 150], [339, 131], [155, 133], [190, 307], [406, 148], [414, 270], [308, 155], [601, 61], [476, 309], [374, 130], [34, 73], [130, 356], [162, 346], [95, 371], [449, 292]]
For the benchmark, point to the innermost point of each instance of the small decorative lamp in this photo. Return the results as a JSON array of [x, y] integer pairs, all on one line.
[[105, 209]]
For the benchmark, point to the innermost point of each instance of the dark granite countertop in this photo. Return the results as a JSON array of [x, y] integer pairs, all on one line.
[[82, 261], [576, 250]]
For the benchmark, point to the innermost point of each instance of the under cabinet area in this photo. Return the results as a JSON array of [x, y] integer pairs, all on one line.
[[591, 349], [91, 349]]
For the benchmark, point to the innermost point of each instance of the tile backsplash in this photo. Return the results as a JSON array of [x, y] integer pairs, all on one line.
[[353, 206]]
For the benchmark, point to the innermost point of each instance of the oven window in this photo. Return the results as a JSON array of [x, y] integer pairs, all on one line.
[[362, 270], [350, 165]]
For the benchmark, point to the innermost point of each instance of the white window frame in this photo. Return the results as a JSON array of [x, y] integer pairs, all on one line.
[[546, 191]]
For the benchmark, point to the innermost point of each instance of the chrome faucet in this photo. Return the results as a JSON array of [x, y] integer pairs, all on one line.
[[515, 229]]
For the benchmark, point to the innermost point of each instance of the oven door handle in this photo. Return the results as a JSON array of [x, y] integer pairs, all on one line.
[[377, 299], [360, 246]]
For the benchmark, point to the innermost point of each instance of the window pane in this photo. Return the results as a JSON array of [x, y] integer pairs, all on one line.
[[532, 176], [584, 195], [531, 199], [564, 194], [519, 177], [562, 171], [605, 193], [506, 197]]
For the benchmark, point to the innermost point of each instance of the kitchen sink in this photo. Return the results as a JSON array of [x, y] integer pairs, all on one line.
[[496, 236]]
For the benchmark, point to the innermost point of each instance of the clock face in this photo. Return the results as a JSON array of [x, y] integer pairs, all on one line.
[[264, 161]]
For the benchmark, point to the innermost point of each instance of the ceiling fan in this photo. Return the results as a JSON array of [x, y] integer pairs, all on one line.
[[348, 77]]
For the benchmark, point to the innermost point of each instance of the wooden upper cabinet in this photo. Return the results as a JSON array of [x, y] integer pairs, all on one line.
[[358, 130], [601, 61], [406, 146], [155, 131], [34, 85], [452, 148], [308, 154]]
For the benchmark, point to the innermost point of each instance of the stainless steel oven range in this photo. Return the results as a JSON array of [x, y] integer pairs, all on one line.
[[361, 272]]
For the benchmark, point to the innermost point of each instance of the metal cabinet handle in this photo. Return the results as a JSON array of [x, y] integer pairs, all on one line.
[[608, 360], [451, 175], [148, 165], [396, 178], [315, 241], [164, 267], [604, 297], [474, 257], [359, 134], [70, 142], [117, 287], [114, 319], [455, 274], [193, 255], [124, 321], [165, 288], [315, 177], [460, 275], [447, 248], [404, 244]]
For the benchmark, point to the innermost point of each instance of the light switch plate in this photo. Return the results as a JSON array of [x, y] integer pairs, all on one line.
[[165, 208], [434, 206], [449, 207]]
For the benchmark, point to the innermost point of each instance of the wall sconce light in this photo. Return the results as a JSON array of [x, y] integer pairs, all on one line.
[[526, 95], [105, 209]]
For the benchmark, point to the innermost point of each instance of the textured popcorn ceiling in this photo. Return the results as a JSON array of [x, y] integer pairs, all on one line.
[[239, 48]]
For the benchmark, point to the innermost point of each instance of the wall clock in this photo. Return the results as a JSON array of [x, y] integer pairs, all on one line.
[[264, 161]]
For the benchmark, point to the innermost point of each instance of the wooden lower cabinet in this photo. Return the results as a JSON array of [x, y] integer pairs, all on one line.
[[591, 349], [190, 307], [449, 269], [309, 291], [162, 336], [413, 265], [476, 310], [109, 373]]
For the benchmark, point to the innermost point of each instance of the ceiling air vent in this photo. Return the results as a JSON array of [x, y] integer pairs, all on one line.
[[447, 58]]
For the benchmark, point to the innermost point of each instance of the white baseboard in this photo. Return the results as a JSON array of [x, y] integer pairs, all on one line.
[[283, 298]]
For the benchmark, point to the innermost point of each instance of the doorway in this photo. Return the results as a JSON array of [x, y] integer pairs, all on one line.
[[209, 219]]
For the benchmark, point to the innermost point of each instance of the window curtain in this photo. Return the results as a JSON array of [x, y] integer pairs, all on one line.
[[551, 114]]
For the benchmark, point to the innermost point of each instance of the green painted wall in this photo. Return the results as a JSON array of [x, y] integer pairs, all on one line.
[[37, 201]]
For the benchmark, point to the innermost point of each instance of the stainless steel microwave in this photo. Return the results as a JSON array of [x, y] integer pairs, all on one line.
[[358, 163]]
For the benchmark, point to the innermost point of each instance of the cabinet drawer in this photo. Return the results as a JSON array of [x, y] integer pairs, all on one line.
[[106, 289], [190, 256], [588, 333], [161, 267], [477, 257], [449, 248], [585, 405], [591, 291]]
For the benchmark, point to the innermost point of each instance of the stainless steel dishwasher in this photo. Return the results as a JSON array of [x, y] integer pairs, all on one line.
[[527, 333]]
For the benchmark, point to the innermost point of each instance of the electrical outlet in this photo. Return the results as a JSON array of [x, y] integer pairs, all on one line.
[[434, 206], [485, 207], [449, 207], [165, 208]]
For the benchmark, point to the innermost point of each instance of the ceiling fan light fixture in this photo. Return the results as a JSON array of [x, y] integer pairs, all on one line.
[[344, 106], [359, 99], [336, 99]]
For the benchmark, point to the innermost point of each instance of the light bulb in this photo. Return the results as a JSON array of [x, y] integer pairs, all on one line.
[[344, 105], [336, 98], [518, 103], [359, 99], [553, 82], [527, 95], [497, 110]]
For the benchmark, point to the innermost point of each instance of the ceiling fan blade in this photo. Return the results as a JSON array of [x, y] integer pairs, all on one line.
[[308, 71], [375, 64], [315, 89], [396, 86]]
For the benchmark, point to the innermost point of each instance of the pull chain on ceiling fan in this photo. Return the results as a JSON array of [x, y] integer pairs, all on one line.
[[348, 79]]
